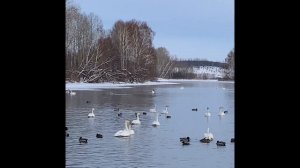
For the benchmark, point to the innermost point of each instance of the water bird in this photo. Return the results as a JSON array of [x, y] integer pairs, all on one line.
[[82, 140], [67, 134], [66, 128], [88, 101], [184, 139], [137, 121], [153, 91], [208, 137], [144, 113], [221, 111], [220, 143], [194, 109], [156, 122], [225, 111], [207, 114], [126, 132], [91, 114], [232, 140], [99, 136], [153, 110], [119, 114], [72, 93]]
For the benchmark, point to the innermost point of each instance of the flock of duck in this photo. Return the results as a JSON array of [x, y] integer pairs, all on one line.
[[127, 131]]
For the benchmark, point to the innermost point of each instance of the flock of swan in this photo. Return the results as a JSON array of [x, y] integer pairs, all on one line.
[[127, 131]]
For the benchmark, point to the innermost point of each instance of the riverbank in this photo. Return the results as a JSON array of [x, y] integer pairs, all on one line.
[[108, 85]]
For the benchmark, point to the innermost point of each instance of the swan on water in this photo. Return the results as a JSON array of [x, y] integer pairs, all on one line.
[[91, 114], [137, 121]]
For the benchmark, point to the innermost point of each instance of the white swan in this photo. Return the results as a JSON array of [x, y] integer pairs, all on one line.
[[208, 135], [126, 132], [72, 93], [137, 121], [207, 114], [91, 114], [221, 111], [153, 91], [165, 111], [153, 110], [156, 122]]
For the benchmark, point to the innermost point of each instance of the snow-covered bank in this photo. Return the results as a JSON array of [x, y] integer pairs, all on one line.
[[107, 85]]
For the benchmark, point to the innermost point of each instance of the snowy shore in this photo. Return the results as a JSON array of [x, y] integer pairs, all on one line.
[[107, 85]]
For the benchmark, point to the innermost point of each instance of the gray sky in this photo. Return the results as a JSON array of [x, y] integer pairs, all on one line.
[[201, 29]]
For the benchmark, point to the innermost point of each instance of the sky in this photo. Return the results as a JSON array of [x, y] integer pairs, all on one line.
[[188, 29]]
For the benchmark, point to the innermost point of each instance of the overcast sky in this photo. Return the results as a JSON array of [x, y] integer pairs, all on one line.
[[201, 29]]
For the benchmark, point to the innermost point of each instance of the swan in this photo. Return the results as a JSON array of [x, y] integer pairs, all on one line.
[[153, 91], [72, 93], [207, 114], [166, 112], [153, 110], [221, 111], [137, 121], [126, 132], [91, 114], [208, 135], [156, 122]]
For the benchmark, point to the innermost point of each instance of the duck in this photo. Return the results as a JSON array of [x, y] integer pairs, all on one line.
[[220, 143], [225, 111], [156, 122], [144, 113], [88, 101], [66, 128], [221, 111], [67, 134], [232, 140], [91, 114], [119, 114], [184, 139], [194, 109], [82, 140], [207, 114], [126, 132], [99, 136], [137, 121]]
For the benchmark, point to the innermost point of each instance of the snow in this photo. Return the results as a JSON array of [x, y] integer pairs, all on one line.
[[107, 85], [211, 71]]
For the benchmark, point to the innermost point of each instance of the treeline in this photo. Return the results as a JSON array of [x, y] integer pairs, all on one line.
[[197, 62], [124, 53]]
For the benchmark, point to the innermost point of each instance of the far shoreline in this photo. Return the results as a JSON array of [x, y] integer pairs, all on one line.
[[120, 85]]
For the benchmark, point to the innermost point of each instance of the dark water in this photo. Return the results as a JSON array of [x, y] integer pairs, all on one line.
[[151, 146]]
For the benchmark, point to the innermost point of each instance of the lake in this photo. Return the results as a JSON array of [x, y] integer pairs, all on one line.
[[151, 146]]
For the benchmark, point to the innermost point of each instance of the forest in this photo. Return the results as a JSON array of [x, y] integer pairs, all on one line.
[[125, 53]]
